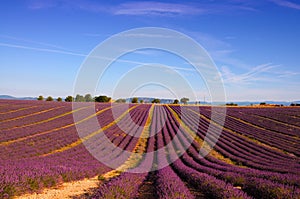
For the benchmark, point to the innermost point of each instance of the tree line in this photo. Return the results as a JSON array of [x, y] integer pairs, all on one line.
[[104, 98], [78, 98]]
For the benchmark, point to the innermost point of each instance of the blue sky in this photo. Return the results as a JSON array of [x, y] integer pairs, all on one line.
[[254, 44]]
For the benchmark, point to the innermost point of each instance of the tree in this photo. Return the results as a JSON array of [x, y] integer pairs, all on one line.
[[49, 98], [69, 99], [141, 101], [231, 104], [134, 100], [184, 100], [88, 98], [40, 98], [120, 100], [176, 101], [295, 104], [102, 98], [59, 99], [157, 101], [79, 98]]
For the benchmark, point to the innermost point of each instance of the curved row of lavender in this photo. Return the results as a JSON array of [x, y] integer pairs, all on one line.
[[258, 171], [165, 183], [28, 161], [248, 152], [269, 173], [277, 134]]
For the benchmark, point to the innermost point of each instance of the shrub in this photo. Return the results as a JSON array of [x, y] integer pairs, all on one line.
[[49, 98]]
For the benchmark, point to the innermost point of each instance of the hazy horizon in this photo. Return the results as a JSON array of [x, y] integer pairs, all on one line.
[[190, 101]]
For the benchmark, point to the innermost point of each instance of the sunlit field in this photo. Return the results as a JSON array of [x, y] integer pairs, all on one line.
[[256, 156]]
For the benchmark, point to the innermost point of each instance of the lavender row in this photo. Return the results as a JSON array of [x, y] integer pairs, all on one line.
[[247, 129], [46, 143], [27, 112], [278, 129], [271, 138], [211, 164], [25, 129], [286, 115], [169, 185], [264, 123], [239, 151], [266, 153], [47, 126], [210, 186], [34, 174], [12, 109], [243, 181], [42, 176], [126, 185], [243, 177], [57, 113]]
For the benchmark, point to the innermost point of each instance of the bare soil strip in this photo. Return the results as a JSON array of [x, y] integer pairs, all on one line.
[[238, 134], [16, 110], [276, 121], [48, 119], [147, 189], [65, 190], [81, 140], [83, 187], [31, 114], [197, 139], [55, 129]]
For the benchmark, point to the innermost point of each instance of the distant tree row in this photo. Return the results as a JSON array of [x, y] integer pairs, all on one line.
[[231, 104], [41, 98], [295, 104], [184, 100], [156, 101], [88, 98], [120, 101], [78, 98], [103, 98], [135, 100]]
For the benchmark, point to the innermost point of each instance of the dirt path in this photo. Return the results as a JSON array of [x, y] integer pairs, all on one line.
[[147, 189], [66, 190]]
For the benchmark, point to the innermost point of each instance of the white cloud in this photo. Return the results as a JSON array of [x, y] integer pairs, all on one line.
[[145, 35], [287, 4], [41, 49], [289, 74], [31, 42], [251, 76], [156, 8], [37, 4], [144, 8]]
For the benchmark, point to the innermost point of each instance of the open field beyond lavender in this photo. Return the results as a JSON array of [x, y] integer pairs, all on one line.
[[256, 156]]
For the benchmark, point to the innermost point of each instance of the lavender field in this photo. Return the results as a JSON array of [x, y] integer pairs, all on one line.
[[256, 156]]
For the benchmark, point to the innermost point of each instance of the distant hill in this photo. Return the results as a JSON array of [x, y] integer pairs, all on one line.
[[16, 98], [6, 97]]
